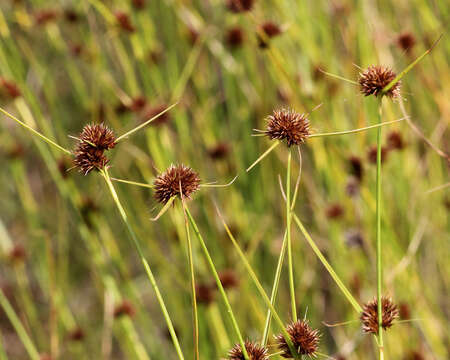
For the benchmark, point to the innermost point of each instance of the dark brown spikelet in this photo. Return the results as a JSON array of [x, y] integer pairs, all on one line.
[[124, 22], [270, 30], [406, 41], [229, 279], [395, 141], [204, 293], [167, 184], [237, 6], [9, 89], [94, 140], [234, 37], [254, 351], [369, 316], [335, 211], [356, 167], [125, 308], [304, 339], [219, 151], [373, 80], [372, 154], [288, 124]]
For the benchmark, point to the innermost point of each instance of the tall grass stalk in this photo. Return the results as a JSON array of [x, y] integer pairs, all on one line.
[[133, 236], [217, 279]]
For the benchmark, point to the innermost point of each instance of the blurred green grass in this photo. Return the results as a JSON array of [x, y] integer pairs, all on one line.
[[78, 262]]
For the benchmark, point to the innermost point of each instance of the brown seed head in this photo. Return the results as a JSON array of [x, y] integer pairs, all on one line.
[[45, 16], [228, 278], [150, 112], [76, 334], [139, 4], [406, 41], [254, 351], [288, 124], [17, 253], [373, 80], [138, 103], [219, 151], [369, 316], [395, 141], [270, 30], [125, 308], [71, 15], [123, 20], [94, 140], [9, 89], [335, 211], [234, 37], [167, 185], [237, 6], [204, 293], [356, 167], [372, 154], [304, 339]]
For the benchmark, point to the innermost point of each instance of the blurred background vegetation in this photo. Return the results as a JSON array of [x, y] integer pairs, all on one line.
[[67, 267]]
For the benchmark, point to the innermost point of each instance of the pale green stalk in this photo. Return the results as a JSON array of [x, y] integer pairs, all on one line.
[[288, 235], [149, 272], [219, 284]]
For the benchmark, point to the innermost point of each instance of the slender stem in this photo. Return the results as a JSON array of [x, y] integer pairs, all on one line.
[[133, 236], [339, 77], [137, 128], [149, 186], [327, 265], [21, 332], [356, 130], [192, 273], [261, 290], [378, 235], [274, 145], [37, 133], [273, 295], [288, 235], [219, 284]]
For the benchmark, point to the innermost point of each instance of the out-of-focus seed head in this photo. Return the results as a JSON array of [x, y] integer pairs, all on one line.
[[205, 293], [303, 337], [229, 279], [76, 334], [354, 238], [372, 154], [254, 351], [234, 37], [395, 141], [270, 30], [369, 316], [17, 253], [138, 4], [151, 111], [404, 311], [71, 15], [356, 167], [167, 185], [9, 89], [138, 103], [406, 41], [373, 80], [94, 140], [125, 308], [124, 22], [219, 151], [237, 6], [335, 211], [45, 16], [286, 124]]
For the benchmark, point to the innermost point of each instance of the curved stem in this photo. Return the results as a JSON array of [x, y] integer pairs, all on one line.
[[219, 284], [149, 272], [378, 236], [288, 235]]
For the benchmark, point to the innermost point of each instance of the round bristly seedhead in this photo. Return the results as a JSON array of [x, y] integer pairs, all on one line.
[[254, 351], [369, 316], [94, 140], [237, 6], [373, 80], [288, 124], [304, 339], [167, 185]]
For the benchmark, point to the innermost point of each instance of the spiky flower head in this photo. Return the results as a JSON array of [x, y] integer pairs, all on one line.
[[369, 316], [375, 78], [237, 6], [254, 351], [303, 337], [94, 140], [167, 185], [288, 124]]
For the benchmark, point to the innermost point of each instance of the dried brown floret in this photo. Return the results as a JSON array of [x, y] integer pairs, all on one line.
[[304, 339], [288, 124], [254, 351], [369, 316], [373, 80], [167, 185], [94, 140]]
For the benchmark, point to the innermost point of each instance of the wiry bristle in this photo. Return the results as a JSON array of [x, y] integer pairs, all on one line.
[[94, 140], [288, 124], [369, 316], [167, 185], [254, 351], [240, 5], [373, 80], [304, 339]]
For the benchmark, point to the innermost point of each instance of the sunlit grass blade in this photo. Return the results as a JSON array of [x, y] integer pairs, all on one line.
[[34, 132], [338, 77], [164, 209], [149, 186], [219, 185], [267, 152]]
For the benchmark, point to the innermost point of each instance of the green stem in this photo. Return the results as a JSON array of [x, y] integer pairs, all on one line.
[[327, 265], [21, 332], [288, 235], [273, 295], [378, 236], [133, 236], [219, 284], [193, 291]]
